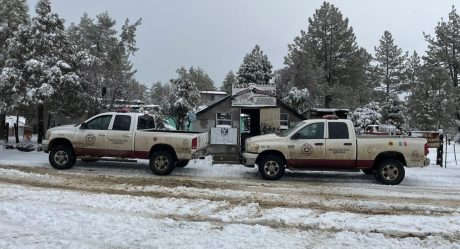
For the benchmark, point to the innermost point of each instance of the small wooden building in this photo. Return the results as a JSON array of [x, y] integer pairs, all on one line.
[[251, 110]]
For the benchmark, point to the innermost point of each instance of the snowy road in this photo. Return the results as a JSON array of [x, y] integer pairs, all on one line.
[[122, 205]]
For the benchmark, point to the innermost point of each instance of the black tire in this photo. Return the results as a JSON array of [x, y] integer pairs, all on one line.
[[162, 162], [368, 171], [182, 164], [271, 167], [390, 172], [62, 157], [89, 160]]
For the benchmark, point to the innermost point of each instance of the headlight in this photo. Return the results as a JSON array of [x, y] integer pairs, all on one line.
[[47, 135], [252, 148]]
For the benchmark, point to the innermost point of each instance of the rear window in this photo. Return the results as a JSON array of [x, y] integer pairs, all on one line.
[[338, 130], [121, 123]]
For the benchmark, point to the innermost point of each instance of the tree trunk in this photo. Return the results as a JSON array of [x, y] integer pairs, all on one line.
[[16, 129], [40, 124], [3, 130]]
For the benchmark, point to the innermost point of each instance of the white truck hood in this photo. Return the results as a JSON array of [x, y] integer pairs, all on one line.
[[262, 138], [64, 128]]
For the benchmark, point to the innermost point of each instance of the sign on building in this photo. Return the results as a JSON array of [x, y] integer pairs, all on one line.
[[224, 135], [253, 95]]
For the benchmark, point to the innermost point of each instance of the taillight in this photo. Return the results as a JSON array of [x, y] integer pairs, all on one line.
[[194, 143], [427, 151]]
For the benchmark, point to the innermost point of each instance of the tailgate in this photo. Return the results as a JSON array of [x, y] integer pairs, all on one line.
[[202, 140]]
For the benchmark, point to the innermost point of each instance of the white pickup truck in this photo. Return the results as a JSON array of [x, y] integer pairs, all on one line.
[[321, 144], [123, 136]]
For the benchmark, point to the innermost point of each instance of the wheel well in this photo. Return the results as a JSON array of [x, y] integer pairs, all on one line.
[[271, 152], [389, 154], [166, 147], [59, 141]]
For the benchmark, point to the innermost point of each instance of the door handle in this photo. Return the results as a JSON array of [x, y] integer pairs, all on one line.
[[126, 135], [348, 144], [318, 143], [101, 135]]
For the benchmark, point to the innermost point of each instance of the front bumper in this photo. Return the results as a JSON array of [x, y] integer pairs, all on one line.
[[249, 159], [45, 144]]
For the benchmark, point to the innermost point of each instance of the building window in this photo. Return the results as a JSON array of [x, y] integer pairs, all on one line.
[[224, 119], [284, 121]]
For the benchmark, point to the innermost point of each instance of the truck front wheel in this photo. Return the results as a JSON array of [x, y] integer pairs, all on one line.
[[162, 162], [62, 157], [390, 172], [271, 167]]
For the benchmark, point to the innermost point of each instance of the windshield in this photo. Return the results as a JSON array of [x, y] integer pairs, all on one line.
[[288, 131]]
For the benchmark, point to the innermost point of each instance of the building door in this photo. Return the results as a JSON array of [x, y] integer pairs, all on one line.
[[250, 126]]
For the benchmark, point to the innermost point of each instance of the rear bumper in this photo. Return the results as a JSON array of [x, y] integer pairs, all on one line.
[[249, 159], [199, 153]]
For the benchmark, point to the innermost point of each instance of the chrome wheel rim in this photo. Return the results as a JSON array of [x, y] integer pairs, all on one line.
[[390, 172], [161, 162], [271, 168], [61, 157]]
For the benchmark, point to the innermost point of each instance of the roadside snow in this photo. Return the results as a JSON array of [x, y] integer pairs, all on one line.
[[122, 205]]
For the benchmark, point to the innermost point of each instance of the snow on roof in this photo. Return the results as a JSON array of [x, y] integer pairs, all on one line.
[[214, 92]]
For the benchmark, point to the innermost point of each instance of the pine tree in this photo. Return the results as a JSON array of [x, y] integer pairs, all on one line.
[[297, 99], [229, 81], [158, 92], [201, 79], [394, 112], [256, 68], [13, 15], [365, 116], [430, 102], [39, 53], [328, 48], [389, 70], [103, 60], [182, 99], [444, 50]]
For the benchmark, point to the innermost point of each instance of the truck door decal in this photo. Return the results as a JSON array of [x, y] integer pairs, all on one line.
[[90, 139]]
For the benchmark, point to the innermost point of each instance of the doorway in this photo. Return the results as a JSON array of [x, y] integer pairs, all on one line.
[[250, 124]]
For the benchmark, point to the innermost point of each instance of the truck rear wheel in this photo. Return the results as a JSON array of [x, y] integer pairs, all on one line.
[[162, 162], [62, 157], [271, 167], [390, 172]]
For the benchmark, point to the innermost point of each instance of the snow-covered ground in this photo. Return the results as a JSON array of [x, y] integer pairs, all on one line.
[[123, 205]]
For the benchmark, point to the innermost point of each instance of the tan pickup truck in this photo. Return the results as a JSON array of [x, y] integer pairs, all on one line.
[[321, 144], [123, 136]]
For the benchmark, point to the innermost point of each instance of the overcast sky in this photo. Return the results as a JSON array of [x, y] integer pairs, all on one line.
[[215, 35]]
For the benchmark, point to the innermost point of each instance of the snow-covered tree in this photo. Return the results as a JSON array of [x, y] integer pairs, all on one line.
[[365, 116], [158, 91], [229, 81], [389, 71], [102, 60], [256, 68], [13, 14], [297, 99], [326, 57], [201, 79], [394, 112], [182, 99], [39, 52]]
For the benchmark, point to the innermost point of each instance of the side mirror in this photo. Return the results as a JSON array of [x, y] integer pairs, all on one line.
[[296, 136], [83, 126]]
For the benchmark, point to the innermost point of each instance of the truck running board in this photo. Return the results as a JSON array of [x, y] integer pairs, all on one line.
[[118, 160]]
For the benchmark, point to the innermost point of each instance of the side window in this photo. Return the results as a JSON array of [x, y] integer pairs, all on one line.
[[121, 123], [145, 122], [338, 130], [224, 119], [312, 131], [100, 123]]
